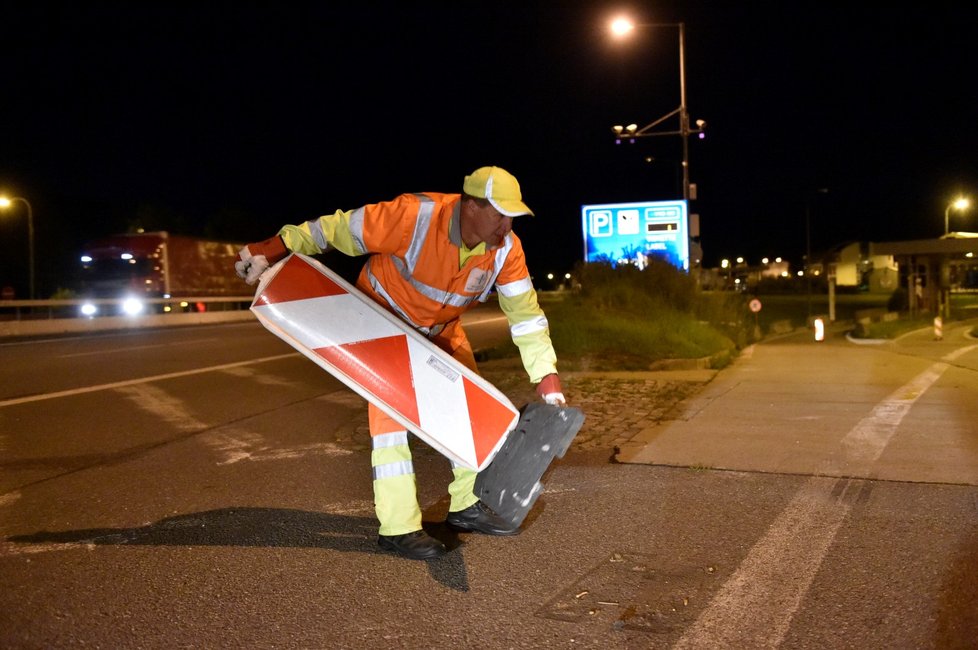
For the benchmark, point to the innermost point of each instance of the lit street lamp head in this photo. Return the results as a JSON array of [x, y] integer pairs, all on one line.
[[621, 26], [960, 204], [6, 202]]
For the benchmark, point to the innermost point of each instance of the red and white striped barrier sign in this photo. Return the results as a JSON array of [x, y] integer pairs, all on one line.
[[377, 355]]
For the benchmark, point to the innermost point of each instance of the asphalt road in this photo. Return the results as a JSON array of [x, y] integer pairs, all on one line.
[[210, 488]]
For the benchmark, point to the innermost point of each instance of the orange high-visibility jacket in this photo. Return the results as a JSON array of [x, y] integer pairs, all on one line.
[[422, 271]]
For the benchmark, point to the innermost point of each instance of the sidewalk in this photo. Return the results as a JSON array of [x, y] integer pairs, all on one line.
[[795, 406]]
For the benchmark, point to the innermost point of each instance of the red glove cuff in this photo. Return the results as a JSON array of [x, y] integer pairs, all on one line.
[[272, 248], [548, 385]]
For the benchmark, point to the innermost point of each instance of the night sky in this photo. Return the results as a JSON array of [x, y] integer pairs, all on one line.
[[230, 119]]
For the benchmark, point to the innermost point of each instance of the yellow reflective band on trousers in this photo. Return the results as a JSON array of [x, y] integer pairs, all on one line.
[[462, 489], [395, 487]]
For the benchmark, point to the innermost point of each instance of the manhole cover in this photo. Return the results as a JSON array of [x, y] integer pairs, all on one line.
[[634, 591]]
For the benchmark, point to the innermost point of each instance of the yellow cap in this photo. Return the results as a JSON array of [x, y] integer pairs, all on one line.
[[500, 188]]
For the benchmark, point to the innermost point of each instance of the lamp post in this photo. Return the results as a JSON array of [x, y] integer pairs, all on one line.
[[620, 27], [960, 204], [944, 308], [808, 246], [6, 203]]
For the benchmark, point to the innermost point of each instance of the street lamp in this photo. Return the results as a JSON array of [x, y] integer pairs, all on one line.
[[621, 27], [961, 203], [6, 203]]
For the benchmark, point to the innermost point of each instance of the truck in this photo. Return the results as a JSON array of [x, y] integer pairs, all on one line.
[[137, 272]]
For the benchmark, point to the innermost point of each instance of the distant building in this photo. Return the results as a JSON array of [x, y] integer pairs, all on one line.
[[853, 265], [931, 269]]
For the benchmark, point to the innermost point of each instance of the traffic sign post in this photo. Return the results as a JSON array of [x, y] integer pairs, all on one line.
[[755, 307]]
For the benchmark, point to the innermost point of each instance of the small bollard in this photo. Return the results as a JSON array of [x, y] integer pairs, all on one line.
[[819, 329], [938, 329]]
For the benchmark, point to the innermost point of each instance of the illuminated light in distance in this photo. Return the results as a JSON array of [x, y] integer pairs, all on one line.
[[819, 329], [132, 306], [88, 309], [86, 259], [126, 256]]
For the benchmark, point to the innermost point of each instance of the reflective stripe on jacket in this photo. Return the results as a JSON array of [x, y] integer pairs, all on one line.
[[415, 269]]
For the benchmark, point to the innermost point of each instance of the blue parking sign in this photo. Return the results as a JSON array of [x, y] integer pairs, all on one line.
[[631, 233]]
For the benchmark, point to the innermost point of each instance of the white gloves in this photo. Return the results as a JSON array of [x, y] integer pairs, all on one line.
[[250, 267], [254, 259]]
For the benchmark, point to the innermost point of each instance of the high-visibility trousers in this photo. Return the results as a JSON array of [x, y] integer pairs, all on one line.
[[395, 485]]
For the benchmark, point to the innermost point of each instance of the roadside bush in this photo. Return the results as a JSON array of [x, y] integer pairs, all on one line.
[[634, 290], [898, 300], [626, 318]]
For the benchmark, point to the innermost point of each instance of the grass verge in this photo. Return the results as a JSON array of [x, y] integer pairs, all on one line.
[[625, 319]]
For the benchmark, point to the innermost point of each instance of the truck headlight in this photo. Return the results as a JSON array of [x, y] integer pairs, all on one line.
[[88, 309], [132, 306]]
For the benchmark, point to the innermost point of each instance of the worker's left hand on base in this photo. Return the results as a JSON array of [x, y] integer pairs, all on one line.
[[549, 389]]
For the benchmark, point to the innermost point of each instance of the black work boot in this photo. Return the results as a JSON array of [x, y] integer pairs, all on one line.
[[479, 518], [418, 545]]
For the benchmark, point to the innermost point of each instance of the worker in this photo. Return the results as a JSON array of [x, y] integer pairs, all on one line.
[[432, 256]]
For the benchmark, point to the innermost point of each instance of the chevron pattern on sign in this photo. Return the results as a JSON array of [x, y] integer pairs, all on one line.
[[382, 366], [297, 280], [485, 427], [335, 325]]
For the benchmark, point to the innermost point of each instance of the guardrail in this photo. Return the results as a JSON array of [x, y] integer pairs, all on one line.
[[45, 317]]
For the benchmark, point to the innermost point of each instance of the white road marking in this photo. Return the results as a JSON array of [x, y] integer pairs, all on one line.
[[951, 356], [11, 548], [257, 376], [755, 606], [864, 444], [142, 380], [349, 399], [236, 446], [162, 405]]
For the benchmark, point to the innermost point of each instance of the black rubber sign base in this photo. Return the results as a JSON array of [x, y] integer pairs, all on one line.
[[511, 484]]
